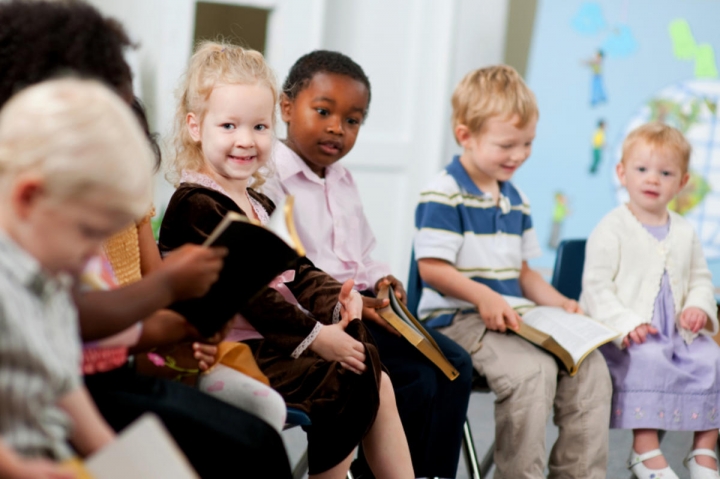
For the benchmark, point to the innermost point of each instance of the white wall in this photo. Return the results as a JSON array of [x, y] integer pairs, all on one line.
[[414, 52]]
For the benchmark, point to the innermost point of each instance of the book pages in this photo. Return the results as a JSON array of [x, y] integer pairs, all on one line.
[[577, 334]]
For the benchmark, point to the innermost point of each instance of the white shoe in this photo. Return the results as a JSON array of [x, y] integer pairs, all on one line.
[[635, 464], [696, 470]]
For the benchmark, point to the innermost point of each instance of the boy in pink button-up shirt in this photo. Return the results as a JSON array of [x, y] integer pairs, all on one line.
[[324, 102]]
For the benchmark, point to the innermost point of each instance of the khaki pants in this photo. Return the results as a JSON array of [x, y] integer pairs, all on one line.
[[528, 384]]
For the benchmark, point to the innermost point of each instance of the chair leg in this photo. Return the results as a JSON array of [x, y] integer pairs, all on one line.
[[487, 461], [471, 460], [301, 468]]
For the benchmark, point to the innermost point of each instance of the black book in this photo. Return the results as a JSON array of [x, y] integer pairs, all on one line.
[[257, 254]]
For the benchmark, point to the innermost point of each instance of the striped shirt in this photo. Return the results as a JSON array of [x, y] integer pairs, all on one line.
[[484, 240], [39, 355]]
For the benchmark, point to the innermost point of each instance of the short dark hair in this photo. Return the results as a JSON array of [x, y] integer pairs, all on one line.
[[43, 39], [322, 61]]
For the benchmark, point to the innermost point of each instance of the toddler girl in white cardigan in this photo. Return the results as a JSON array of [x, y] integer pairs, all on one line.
[[646, 277]]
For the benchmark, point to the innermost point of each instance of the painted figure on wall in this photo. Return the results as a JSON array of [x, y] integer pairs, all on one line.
[[597, 86], [598, 145], [560, 212]]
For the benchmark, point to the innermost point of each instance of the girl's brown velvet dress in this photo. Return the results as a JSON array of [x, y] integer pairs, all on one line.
[[342, 405]]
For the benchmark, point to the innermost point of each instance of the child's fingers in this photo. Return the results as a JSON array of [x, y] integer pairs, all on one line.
[[374, 303], [355, 365], [626, 341], [512, 320], [499, 321], [652, 329], [697, 326], [219, 251], [345, 291], [634, 337], [372, 315], [349, 368]]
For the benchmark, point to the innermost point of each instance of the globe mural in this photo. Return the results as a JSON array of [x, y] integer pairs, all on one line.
[[692, 107]]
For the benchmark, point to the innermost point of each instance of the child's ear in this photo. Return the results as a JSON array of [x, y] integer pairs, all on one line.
[[193, 126], [286, 106], [684, 181], [620, 170], [24, 194], [462, 135]]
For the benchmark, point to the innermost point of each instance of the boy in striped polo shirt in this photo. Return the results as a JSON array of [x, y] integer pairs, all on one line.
[[473, 241]]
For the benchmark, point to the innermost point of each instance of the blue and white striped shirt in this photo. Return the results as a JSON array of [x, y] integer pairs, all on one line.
[[486, 242]]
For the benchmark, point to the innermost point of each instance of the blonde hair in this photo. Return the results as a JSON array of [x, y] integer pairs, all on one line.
[[492, 91], [82, 140], [659, 135], [213, 63]]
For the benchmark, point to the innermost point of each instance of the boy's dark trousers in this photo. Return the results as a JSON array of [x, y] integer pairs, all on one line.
[[219, 440], [432, 408]]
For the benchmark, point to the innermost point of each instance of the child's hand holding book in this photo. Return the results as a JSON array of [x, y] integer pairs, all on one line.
[[333, 343], [496, 313], [191, 270]]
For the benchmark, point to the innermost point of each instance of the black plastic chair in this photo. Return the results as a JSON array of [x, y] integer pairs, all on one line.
[[477, 469]]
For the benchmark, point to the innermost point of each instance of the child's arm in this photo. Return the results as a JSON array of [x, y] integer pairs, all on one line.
[[333, 343], [90, 432], [599, 298], [150, 259], [539, 291], [700, 308], [188, 272], [494, 310], [12, 466]]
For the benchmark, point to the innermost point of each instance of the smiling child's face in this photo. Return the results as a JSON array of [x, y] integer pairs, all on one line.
[[236, 133], [324, 119]]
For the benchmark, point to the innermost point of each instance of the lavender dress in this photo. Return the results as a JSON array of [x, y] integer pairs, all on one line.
[[665, 383]]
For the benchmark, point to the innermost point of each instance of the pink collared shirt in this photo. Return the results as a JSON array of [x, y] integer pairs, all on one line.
[[329, 218]]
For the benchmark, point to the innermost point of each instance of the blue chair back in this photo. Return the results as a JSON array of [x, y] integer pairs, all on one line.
[[413, 287], [569, 263], [296, 417]]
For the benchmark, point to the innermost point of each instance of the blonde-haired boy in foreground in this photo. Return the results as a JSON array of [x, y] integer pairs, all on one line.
[[63, 146], [474, 238]]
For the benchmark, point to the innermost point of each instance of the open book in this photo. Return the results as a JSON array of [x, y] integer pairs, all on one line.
[[400, 318], [569, 336], [144, 450], [257, 254]]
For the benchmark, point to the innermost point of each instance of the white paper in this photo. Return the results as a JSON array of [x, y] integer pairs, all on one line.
[[144, 450]]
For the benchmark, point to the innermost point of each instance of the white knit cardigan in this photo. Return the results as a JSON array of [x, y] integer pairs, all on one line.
[[624, 265]]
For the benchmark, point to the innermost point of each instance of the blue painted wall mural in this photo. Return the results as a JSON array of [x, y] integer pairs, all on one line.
[[601, 68]]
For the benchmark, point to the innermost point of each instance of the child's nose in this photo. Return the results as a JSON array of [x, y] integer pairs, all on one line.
[[335, 126], [243, 138]]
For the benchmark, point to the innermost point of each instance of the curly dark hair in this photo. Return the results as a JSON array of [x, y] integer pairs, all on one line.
[[42, 39], [138, 108], [322, 61]]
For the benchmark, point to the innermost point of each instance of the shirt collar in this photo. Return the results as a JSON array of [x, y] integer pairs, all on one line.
[[461, 176], [288, 164], [26, 270]]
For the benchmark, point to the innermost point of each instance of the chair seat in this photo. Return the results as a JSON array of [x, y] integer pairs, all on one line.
[[296, 417]]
